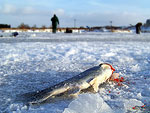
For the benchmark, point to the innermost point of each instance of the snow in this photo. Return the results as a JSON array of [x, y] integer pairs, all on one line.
[[34, 61]]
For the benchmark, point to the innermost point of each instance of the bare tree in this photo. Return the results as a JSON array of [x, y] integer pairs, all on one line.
[[43, 27], [23, 26]]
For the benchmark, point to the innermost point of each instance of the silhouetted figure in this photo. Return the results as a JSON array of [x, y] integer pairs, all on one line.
[[68, 30], [55, 22], [138, 27], [15, 34]]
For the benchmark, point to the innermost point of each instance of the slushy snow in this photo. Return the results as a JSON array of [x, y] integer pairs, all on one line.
[[35, 61]]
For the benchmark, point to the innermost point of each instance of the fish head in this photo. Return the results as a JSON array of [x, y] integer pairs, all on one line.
[[106, 66]]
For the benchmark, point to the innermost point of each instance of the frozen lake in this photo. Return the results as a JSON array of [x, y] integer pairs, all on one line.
[[34, 61]]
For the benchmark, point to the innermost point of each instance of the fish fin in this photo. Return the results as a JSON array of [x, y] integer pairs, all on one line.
[[95, 85], [93, 81]]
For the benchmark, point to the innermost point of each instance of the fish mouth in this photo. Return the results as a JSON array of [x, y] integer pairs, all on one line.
[[113, 69]]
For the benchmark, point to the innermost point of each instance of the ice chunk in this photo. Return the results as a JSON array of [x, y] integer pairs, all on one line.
[[88, 103], [109, 54], [135, 68], [71, 52]]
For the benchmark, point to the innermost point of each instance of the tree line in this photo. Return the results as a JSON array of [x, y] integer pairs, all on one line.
[[23, 26], [5, 26], [26, 26]]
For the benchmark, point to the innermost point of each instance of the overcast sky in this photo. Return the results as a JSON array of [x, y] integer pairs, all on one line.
[[86, 12]]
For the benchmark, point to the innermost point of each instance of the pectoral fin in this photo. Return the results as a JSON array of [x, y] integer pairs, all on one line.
[[94, 84], [96, 87]]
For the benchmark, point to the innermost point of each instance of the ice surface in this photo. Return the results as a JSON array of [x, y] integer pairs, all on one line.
[[94, 103], [34, 61], [129, 104]]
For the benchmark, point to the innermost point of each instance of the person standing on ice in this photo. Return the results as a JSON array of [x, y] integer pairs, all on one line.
[[55, 22], [138, 27]]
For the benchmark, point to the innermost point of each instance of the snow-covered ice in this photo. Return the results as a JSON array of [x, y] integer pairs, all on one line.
[[35, 61]]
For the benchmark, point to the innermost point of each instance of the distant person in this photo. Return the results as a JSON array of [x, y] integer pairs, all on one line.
[[138, 27], [55, 22]]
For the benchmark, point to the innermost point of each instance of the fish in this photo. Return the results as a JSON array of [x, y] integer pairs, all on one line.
[[91, 77]]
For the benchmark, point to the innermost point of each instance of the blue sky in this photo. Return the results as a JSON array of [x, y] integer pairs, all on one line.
[[86, 12]]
